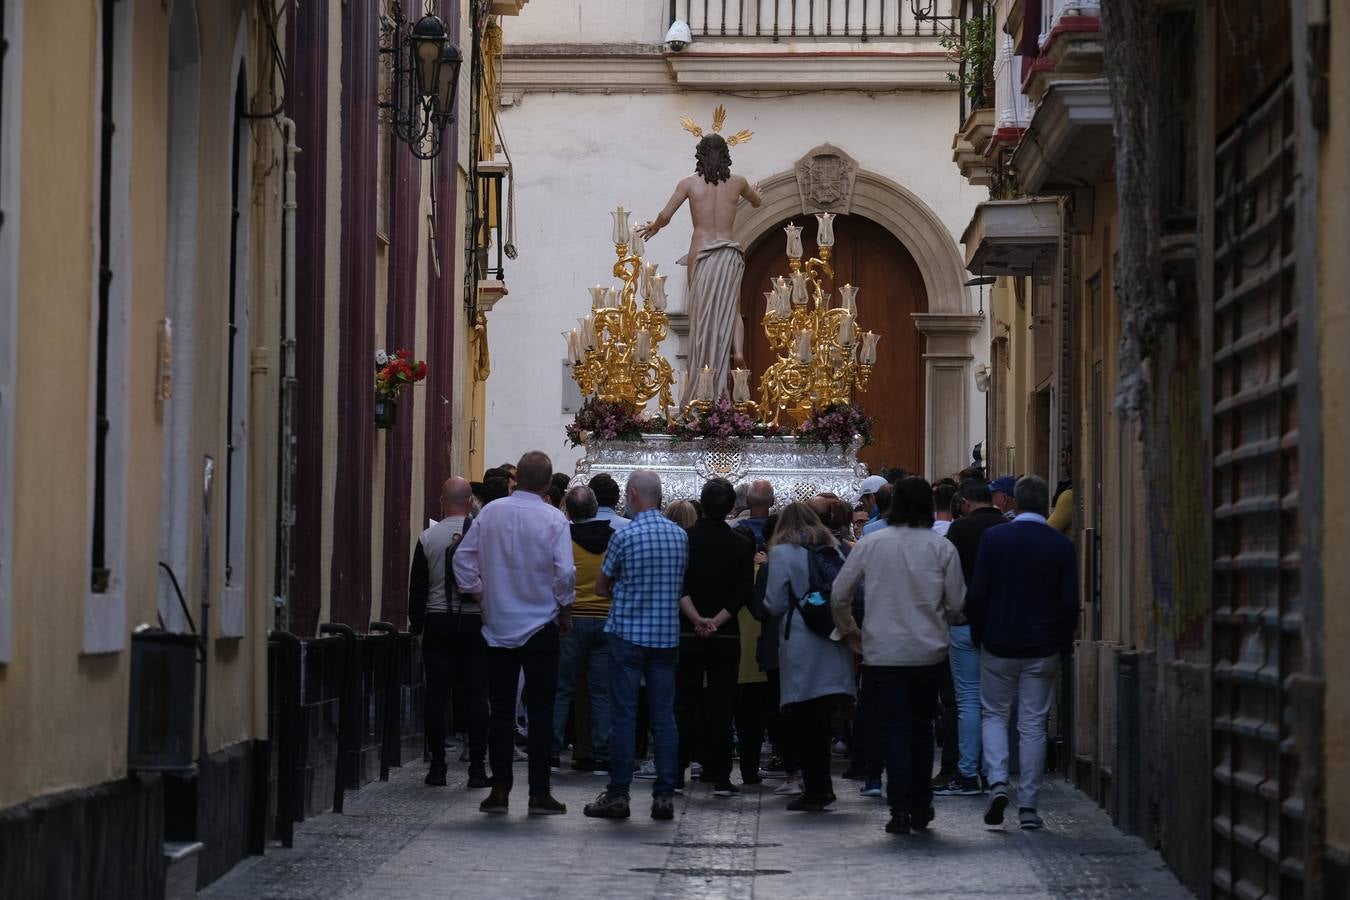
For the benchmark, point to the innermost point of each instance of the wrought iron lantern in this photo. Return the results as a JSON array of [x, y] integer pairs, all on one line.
[[424, 68]]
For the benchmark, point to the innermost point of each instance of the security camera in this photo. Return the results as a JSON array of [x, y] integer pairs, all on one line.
[[679, 36]]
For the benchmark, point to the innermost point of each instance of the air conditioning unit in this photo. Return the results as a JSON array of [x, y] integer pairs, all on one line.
[[163, 683]]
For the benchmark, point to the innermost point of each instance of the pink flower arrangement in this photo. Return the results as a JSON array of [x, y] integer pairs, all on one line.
[[837, 424], [721, 421], [604, 420]]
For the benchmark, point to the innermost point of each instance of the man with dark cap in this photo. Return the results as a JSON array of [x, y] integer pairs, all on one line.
[[1001, 490]]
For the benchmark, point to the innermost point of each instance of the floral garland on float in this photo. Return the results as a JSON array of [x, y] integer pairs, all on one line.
[[597, 421]]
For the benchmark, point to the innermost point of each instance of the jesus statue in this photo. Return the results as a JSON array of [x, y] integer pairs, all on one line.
[[716, 262]]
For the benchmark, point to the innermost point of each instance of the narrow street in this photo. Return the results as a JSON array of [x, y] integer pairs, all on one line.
[[402, 840]]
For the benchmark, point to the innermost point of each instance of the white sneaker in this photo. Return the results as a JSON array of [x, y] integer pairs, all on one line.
[[647, 771], [789, 788], [695, 771]]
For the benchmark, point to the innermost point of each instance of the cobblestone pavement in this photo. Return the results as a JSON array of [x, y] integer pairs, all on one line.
[[405, 840]]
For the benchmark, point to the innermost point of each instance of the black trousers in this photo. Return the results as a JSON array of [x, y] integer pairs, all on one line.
[[905, 703], [752, 716], [867, 753], [813, 730], [780, 730], [469, 683], [538, 658], [704, 713], [437, 655]]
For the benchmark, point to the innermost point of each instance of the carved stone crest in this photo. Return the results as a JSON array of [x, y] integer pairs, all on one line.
[[825, 178]]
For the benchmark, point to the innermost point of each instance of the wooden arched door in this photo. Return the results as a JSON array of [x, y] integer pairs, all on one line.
[[867, 255]]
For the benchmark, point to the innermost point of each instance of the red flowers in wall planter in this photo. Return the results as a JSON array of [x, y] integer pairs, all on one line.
[[393, 373]]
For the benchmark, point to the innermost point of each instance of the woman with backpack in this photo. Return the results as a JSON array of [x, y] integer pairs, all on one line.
[[816, 673]]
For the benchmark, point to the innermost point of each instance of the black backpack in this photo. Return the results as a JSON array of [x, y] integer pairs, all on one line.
[[822, 565]]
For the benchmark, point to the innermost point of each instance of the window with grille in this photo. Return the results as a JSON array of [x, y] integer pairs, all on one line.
[[105, 606], [1258, 810]]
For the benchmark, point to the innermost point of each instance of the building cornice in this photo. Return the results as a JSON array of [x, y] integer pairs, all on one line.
[[649, 68]]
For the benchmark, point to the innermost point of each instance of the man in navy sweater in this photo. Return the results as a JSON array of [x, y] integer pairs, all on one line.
[[1023, 608]]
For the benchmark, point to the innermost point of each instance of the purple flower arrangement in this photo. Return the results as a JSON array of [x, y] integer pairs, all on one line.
[[720, 421], [837, 424], [604, 420]]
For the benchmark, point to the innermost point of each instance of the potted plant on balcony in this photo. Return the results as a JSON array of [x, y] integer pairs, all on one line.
[[393, 373], [973, 50]]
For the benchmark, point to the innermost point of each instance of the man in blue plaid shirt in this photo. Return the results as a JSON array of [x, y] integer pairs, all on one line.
[[644, 574]]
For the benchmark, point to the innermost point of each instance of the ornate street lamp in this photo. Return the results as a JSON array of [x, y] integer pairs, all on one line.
[[424, 66]]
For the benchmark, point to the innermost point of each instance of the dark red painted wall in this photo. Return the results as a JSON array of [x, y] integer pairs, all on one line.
[[307, 104]]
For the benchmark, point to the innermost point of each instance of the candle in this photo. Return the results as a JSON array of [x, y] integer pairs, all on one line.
[[636, 245], [804, 347], [740, 385], [847, 330], [611, 298], [621, 229], [597, 297], [825, 229], [588, 332], [868, 355], [798, 288], [657, 284], [794, 241], [770, 304], [704, 388], [848, 296], [645, 279], [644, 346]]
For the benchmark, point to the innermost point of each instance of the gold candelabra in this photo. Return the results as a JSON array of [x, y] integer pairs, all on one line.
[[822, 359], [615, 350]]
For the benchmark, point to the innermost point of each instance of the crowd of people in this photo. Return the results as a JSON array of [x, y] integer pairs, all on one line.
[[706, 634]]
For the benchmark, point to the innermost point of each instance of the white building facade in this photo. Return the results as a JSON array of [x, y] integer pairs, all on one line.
[[853, 114]]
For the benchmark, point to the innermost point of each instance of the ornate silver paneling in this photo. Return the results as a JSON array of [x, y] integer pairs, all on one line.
[[796, 470]]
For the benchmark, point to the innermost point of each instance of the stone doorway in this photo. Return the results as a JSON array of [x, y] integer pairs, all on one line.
[[868, 255]]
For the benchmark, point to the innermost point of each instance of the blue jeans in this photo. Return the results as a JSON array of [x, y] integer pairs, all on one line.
[[629, 664], [965, 661], [586, 644]]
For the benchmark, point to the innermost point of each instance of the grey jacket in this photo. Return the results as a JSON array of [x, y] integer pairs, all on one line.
[[810, 666]]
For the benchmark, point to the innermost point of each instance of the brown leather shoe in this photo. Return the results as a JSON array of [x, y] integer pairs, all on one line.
[[545, 805], [499, 801]]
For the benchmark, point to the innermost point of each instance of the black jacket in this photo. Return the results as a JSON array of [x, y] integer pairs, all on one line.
[[966, 532], [720, 574]]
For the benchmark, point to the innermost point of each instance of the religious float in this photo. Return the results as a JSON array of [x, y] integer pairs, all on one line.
[[804, 432]]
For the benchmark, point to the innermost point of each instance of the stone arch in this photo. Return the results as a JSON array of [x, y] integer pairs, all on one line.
[[951, 322], [890, 205]]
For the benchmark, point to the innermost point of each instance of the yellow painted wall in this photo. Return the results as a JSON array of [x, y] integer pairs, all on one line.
[[63, 714], [1334, 331]]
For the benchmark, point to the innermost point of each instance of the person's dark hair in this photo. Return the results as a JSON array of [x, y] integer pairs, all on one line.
[[495, 488], [977, 492], [477, 488], [770, 524], [495, 472], [885, 494], [580, 502], [712, 159], [698, 508], [841, 515], [942, 496], [1032, 495], [912, 504], [717, 498], [555, 495], [955, 507], [562, 481], [534, 472], [894, 475], [606, 489]]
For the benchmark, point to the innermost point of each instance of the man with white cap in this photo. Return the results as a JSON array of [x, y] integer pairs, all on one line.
[[867, 496]]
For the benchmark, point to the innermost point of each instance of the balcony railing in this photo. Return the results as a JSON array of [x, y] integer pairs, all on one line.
[[860, 20]]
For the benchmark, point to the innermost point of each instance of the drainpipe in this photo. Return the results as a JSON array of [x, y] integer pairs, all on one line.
[[286, 455]]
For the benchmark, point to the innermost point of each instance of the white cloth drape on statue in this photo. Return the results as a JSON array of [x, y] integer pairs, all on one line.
[[714, 308]]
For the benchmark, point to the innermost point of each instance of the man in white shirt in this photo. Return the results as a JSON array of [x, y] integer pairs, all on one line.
[[518, 558], [942, 507]]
